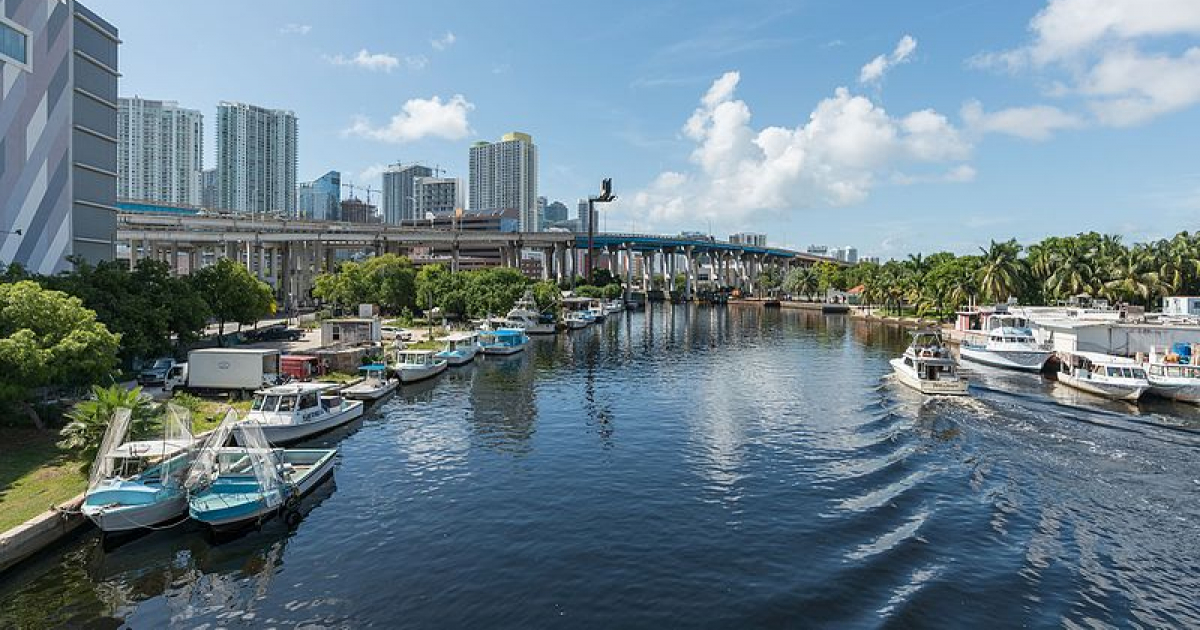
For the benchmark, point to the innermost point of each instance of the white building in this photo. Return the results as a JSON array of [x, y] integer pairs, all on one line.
[[160, 152], [256, 159], [504, 175], [748, 238], [400, 193], [438, 196]]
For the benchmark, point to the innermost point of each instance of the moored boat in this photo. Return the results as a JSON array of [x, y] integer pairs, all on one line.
[[524, 314], [502, 341], [928, 367], [460, 348], [1173, 374], [293, 412], [374, 385], [417, 365], [576, 320], [1009, 347], [1117, 378]]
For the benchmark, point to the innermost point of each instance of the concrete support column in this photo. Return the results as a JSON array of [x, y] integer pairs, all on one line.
[[628, 270], [133, 253], [688, 273]]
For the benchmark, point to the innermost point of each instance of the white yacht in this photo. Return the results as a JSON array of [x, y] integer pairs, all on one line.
[[1173, 375], [1112, 377], [928, 367], [524, 314], [417, 365], [1008, 346], [293, 412], [460, 349]]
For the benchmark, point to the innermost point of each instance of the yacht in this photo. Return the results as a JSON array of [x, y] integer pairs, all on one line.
[[460, 349], [231, 487], [293, 412], [374, 385], [575, 320], [1008, 346], [417, 365], [524, 314], [928, 367], [139, 484], [1112, 377], [1174, 374], [503, 341]]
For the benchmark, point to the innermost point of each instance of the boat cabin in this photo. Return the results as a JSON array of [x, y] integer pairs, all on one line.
[[1094, 364], [502, 337], [459, 340], [420, 358], [300, 398]]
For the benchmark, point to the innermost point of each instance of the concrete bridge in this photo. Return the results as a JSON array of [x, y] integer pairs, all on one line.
[[289, 254]]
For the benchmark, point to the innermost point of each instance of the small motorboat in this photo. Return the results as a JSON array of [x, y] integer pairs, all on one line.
[[374, 385], [1012, 347], [139, 484], [231, 487], [1174, 374], [1117, 378], [576, 320], [460, 349], [417, 365], [293, 412], [503, 341], [615, 306], [928, 367]]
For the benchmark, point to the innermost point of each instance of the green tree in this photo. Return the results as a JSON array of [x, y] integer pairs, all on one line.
[[49, 340], [547, 296], [612, 291], [805, 280], [1132, 278], [1002, 273], [233, 294], [494, 291], [89, 418], [392, 282]]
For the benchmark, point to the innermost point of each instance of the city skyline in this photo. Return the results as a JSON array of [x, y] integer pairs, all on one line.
[[970, 123]]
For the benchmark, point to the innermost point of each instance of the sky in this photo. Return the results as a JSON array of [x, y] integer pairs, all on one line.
[[895, 127]]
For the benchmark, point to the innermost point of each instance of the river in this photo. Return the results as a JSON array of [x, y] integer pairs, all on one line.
[[691, 466]]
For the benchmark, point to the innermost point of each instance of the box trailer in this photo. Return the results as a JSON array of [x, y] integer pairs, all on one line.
[[226, 370]]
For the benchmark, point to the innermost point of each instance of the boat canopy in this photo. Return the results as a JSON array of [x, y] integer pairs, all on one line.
[[174, 435], [373, 367], [503, 333], [458, 336]]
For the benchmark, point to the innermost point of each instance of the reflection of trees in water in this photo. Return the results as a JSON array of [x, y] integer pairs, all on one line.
[[503, 405]]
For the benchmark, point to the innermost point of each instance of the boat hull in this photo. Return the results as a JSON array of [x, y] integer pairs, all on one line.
[[126, 518], [577, 324], [1183, 392], [357, 392], [412, 374], [1114, 391], [541, 329], [1025, 360], [956, 387], [237, 517], [457, 358], [503, 350], [279, 434]]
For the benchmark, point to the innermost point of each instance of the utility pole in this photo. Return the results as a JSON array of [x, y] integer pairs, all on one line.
[[605, 196]]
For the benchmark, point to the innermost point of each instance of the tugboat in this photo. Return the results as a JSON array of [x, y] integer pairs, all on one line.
[[928, 367]]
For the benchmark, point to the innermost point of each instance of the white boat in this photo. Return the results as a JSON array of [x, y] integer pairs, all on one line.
[[1173, 375], [417, 365], [1012, 347], [139, 484], [502, 341], [293, 412], [928, 367], [615, 306], [374, 385], [576, 320], [524, 314], [460, 349], [1112, 377], [230, 487], [598, 310]]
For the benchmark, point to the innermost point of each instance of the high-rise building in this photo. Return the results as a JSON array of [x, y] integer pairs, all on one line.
[[399, 192], [58, 130], [356, 210], [208, 188], [850, 254], [504, 175], [582, 217], [818, 250], [319, 200], [541, 212], [437, 196], [748, 238], [256, 159], [160, 152], [556, 212]]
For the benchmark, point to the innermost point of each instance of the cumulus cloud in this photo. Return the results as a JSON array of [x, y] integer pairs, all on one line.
[[416, 62], [295, 29], [1127, 59], [367, 60], [1037, 122], [836, 157], [443, 42], [877, 67], [417, 119]]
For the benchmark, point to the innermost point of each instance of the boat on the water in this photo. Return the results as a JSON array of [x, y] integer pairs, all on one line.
[[576, 320], [460, 348], [928, 367], [231, 487], [374, 385], [1174, 374], [502, 341], [1008, 346], [615, 306], [417, 365], [293, 412], [525, 315], [139, 483], [1105, 375]]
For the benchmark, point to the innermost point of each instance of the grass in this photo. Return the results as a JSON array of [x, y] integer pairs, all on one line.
[[337, 377], [210, 412], [424, 345], [34, 475]]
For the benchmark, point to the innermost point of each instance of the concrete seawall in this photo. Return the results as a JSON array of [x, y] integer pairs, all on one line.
[[40, 532]]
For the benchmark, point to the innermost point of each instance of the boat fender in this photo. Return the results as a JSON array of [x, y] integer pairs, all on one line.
[[291, 503], [292, 518]]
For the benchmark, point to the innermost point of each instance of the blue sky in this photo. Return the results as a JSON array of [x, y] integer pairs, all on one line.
[[892, 126]]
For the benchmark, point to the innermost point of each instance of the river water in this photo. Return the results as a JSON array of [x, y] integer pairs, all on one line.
[[692, 467]]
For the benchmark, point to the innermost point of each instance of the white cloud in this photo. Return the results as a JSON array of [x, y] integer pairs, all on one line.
[[1037, 122], [372, 173], [443, 42], [875, 69], [367, 60], [417, 119], [416, 62], [295, 29]]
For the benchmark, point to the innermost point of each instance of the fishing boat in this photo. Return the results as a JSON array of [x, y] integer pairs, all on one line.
[[502, 341], [374, 385], [460, 349], [524, 314], [293, 412], [575, 320], [1174, 374], [928, 367], [1012, 347], [138, 484], [1112, 377], [417, 365], [231, 487]]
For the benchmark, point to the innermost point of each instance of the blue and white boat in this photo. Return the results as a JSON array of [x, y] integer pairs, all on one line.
[[460, 349], [139, 484], [503, 341], [231, 487], [296, 411], [417, 365]]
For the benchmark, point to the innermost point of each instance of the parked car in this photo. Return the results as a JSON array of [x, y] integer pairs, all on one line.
[[156, 373], [392, 333], [275, 333]]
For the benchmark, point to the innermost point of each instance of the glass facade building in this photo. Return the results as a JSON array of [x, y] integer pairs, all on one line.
[[320, 200]]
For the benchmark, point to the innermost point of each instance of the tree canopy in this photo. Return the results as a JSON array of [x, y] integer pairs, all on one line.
[[233, 294]]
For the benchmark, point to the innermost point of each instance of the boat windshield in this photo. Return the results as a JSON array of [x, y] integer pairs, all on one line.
[[287, 403], [265, 402]]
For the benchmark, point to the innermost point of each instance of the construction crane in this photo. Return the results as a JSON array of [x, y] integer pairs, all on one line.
[[366, 189]]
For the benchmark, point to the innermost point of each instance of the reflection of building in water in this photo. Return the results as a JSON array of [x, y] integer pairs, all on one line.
[[503, 403]]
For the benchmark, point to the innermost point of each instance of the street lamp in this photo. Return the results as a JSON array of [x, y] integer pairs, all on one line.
[[605, 196]]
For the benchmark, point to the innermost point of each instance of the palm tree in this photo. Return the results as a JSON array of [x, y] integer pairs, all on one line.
[[89, 418], [1178, 262], [802, 280], [1132, 278], [1002, 272], [1073, 270]]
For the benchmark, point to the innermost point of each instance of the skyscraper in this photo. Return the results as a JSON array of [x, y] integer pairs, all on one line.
[[556, 212], [208, 188], [399, 192], [582, 217], [504, 175], [160, 151], [256, 159], [58, 130], [748, 238], [319, 200], [438, 196]]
